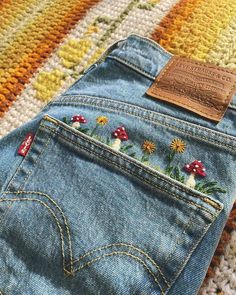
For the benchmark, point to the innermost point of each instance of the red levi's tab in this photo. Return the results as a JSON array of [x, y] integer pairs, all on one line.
[[24, 147], [199, 87]]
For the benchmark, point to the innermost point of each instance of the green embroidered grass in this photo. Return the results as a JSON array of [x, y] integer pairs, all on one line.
[[173, 170]]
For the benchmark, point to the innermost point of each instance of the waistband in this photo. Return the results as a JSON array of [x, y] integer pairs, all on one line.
[[142, 53]]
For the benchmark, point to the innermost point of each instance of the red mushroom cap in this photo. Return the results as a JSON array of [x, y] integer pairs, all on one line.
[[196, 167], [120, 133], [78, 118]]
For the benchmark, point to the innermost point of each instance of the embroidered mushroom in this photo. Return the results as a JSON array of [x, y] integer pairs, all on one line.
[[196, 168], [76, 120], [120, 134]]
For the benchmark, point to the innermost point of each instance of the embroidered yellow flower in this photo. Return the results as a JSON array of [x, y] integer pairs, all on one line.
[[178, 145], [148, 147], [102, 120]]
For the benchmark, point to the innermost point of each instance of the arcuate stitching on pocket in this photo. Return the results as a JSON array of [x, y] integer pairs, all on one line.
[[121, 253], [211, 202], [55, 218], [61, 212], [122, 107], [129, 246]]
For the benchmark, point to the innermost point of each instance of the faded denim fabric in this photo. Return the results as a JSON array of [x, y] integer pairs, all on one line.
[[80, 217]]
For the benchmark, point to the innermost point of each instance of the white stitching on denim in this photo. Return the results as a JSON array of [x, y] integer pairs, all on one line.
[[61, 212], [123, 245], [144, 168], [121, 253], [55, 218], [178, 129]]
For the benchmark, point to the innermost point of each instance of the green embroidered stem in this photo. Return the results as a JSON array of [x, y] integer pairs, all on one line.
[[170, 159], [94, 130], [145, 157]]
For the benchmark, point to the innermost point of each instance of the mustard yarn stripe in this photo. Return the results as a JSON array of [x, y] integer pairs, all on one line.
[[196, 29], [223, 51]]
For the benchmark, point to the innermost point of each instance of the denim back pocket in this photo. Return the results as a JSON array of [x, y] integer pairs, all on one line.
[[87, 215]]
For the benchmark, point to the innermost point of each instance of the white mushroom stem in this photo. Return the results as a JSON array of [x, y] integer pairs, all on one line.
[[116, 144], [75, 124], [191, 181]]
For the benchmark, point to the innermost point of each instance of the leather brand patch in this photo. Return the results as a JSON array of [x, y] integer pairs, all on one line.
[[199, 87]]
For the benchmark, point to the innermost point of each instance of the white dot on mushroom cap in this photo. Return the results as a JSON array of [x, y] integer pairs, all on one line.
[[194, 170], [115, 134], [196, 166], [118, 129], [203, 169], [123, 128], [187, 166]]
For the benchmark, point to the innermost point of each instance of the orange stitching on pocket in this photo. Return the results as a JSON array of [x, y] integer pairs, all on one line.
[[54, 216], [218, 207], [121, 253], [123, 245], [61, 212]]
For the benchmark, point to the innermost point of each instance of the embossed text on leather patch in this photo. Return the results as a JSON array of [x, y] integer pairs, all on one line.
[[199, 87]]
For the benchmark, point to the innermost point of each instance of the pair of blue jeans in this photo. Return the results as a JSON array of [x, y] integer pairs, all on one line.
[[100, 205]]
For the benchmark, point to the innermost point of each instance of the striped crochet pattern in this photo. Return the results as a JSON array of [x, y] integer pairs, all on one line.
[[45, 46]]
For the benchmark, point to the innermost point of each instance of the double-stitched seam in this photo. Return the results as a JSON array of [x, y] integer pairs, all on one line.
[[34, 163], [126, 158], [187, 225], [132, 66], [203, 232], [211, 202], [55, 218], [11, 183], [123, 245], [121, 253], [61, 212], [178, 129]]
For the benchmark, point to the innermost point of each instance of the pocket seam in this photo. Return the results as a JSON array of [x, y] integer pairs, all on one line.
[[19, 168], [55, 218], [87, 264], [66, 224], [209, 201], [89, 253], [168, 117]]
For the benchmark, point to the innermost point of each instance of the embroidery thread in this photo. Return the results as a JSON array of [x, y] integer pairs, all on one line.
[[196, 169], [120, 135], [148, 148]]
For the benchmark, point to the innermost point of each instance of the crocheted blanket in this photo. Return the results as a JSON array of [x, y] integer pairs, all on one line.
[[45, 44]]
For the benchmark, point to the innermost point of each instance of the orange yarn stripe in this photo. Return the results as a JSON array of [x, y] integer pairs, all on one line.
[[25, 63], [173, 21]]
